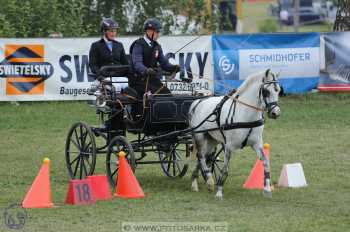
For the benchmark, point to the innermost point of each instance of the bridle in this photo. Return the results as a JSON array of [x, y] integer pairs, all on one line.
[[264, 94]]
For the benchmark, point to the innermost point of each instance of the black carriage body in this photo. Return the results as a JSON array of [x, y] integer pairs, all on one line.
[[160, 130], [167, 113]]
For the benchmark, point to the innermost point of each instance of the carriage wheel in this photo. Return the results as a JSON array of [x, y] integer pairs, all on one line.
[[80, 151], [215, 163], [173, 162], [117, 144]]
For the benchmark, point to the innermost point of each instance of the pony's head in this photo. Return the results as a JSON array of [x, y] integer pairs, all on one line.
[[269, 93]]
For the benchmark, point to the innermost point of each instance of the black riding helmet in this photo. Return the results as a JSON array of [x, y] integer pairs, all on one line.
[[152, 24], [108, 24]]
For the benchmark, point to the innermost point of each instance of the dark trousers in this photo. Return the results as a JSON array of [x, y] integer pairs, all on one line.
[[228, 9], [154, 85], [139, 84], [116, 124]]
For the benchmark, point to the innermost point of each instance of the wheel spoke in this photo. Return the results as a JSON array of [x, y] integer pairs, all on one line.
[[87, 146], [77, 138], [88, 162], [217, 166], [75, 144], [81, 135], [76, 158], [81, 168], [169, 164], [84, 167], [178, 157], [74, 152], [115, 172], [83, 139], [178, 166], [174, 169], [76, 167], [164, 158]]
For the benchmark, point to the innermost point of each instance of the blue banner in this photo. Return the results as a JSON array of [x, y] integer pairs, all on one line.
[[295, 57]]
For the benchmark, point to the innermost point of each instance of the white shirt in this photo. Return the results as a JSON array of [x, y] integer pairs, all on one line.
[[148, 41], [108, 43]]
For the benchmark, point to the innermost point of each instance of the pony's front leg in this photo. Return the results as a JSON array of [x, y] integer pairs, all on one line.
[[208, 175], [224, 174], [267, 177], [204, 148]]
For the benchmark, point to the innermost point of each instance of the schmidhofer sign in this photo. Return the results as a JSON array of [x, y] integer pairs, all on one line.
[[57, 69]]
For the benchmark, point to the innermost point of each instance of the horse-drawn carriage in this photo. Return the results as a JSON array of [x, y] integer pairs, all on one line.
[[166, 125], [157, 120]]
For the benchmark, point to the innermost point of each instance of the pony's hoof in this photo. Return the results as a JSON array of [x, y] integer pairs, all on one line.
[[194, 186], [219, 196], [267, 194], [211, 184]]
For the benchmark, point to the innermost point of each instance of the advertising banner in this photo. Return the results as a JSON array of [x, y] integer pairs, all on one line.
[[294, 57], [335, 62], [57, 69]]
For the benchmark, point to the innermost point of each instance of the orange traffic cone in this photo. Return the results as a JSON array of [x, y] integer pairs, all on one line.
[[39, 194], [100, 187], [127, 184], [256, 177]]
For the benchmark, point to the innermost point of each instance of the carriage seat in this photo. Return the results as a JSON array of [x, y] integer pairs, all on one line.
[[114, 71]]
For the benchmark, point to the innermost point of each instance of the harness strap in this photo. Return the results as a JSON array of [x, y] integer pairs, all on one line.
[[232, 126], [251, 106], [244, 143], [159, 89], [240, 125], [218, 110]]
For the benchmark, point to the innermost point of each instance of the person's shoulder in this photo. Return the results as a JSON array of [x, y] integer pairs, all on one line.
[[97, 43], [157, 44], [138, 43], [117, 43], [140, 40]]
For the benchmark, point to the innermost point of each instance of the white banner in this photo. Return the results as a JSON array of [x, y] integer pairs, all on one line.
[[56, 69], [288, 62]]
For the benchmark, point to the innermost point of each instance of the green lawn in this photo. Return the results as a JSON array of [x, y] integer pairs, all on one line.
[[314, 129]]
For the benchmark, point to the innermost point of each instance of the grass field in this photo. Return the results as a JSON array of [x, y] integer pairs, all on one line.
[[313, 129]]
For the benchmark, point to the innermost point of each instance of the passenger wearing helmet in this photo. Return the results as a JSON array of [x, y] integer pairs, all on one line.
[[147, 59], [107, 51]]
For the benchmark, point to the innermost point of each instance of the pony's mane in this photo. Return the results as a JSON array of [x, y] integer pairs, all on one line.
[[251, 79]]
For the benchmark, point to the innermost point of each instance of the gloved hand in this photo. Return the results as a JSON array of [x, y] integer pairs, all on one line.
[[187, 80], [151, 72], [177, 68]]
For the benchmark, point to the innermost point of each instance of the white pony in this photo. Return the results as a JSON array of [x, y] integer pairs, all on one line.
[[240, 117]]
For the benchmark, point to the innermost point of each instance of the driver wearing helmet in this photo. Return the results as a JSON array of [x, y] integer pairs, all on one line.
[[108, 51], [147, 59]]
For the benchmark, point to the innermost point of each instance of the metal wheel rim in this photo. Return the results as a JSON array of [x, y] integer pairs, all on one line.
[[112, 158], [80, 144], [172, 164]]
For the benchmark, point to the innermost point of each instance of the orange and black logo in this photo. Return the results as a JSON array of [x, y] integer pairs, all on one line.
[[25, 69]]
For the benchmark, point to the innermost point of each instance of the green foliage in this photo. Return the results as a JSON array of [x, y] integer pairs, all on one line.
[[268, 25], [40, 18]]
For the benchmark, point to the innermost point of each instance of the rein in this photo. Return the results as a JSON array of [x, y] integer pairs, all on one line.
[[248, 105]]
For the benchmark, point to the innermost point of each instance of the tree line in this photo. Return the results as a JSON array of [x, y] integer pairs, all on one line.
[[81, 18]]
